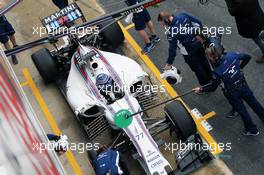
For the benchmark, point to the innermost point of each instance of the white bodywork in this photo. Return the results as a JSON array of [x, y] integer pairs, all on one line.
[[129, 72]]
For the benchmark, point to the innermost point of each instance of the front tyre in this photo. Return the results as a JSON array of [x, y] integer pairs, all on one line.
[[181, 120]]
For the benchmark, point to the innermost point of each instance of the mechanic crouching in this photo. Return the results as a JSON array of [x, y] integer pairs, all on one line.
[[108, 162], [227, 68]]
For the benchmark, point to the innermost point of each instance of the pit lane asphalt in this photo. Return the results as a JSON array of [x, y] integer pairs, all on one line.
[[246, 156]]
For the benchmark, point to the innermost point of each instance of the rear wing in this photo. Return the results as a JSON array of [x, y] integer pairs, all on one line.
[[106, 18], [63, 17]]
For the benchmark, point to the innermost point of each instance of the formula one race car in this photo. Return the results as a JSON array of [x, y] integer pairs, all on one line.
[[100, 85]]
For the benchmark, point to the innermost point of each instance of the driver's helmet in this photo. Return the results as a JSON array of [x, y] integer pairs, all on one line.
[[104, 82]]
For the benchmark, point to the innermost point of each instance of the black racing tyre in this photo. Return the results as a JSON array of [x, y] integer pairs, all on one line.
[[112, 34], [45, 64], [181, 120]]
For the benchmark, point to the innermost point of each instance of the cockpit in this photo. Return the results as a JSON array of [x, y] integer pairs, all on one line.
[[108, 88]]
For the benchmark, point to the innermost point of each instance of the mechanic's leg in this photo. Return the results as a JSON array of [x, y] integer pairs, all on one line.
[[197, 68], [205, 64], [239, 106], [151, 28], [232, 113], [251, 100], [60, 3], [66, 2], [143, 34], [13, 40], [7, 45]]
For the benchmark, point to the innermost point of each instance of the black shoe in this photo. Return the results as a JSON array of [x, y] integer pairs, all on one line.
[[248, 133], [154, 38], [14, 59], [148, 48], [232, 114]]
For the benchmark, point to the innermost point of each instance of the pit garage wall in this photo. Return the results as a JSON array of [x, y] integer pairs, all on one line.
[[20, 131]]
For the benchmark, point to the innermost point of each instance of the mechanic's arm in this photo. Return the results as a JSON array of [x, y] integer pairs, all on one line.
[[194, 19], [244, 59], [215, 82], [172, 50]]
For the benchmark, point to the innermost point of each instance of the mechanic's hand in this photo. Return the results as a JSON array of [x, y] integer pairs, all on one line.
[[197, 90], [167, 67]]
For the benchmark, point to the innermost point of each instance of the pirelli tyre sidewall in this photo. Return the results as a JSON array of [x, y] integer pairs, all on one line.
[[46, 65], [112, 35], [181, 120]]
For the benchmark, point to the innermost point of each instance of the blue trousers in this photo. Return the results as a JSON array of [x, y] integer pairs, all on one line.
[[236, 98], [200, 66]]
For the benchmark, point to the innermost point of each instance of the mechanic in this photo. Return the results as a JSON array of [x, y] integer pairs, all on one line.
[[142, 20], [250, 21], [61, 4], [7, 32], [227, 68], [61, 143], [191, 49], [108, 162], [216, 41]]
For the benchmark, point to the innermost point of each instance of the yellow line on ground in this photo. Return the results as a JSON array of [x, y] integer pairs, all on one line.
[[207, 116], [75, 166], [209, 139], [130, 26]]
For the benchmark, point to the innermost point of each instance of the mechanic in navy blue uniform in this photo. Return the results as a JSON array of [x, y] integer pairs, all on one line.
[[108, 162], [61, 4], [227, 69], [142, 20], [191, 48], [7, 32], [216, 41]]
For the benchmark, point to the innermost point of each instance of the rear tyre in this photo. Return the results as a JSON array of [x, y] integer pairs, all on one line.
[[181, 120], [112, 35], [45, 64]]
